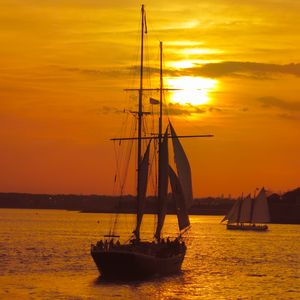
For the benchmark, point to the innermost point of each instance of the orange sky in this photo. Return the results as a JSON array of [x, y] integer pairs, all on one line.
[[64, 65]]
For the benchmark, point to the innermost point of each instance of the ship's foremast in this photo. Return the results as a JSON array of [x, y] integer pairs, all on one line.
[[140, 114]]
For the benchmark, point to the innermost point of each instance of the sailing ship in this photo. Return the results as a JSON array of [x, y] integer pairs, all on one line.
[[137, 258], [249, 213]]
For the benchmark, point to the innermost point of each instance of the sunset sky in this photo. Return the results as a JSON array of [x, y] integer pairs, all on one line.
[[64, 65]]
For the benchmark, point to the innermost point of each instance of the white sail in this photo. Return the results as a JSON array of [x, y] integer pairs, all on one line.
[[233, 214], [180, 204], [183, 169], [245, 213], [261, 212], [163, 184], [142, 190]]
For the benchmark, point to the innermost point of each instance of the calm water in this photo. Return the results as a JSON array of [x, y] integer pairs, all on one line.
[[44, 254]]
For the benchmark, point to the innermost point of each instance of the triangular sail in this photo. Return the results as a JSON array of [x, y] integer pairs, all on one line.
[[163, 184], [183, 168], [232, 215], [245, 214], [180, 204], [142, 190], [261, 212]]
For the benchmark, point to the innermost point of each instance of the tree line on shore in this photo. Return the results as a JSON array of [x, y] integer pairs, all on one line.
[[284, 208]]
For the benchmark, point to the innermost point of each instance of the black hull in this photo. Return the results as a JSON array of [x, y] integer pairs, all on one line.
[[130, 265]]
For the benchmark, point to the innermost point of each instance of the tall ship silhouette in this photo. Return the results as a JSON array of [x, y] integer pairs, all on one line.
[[138, 258]]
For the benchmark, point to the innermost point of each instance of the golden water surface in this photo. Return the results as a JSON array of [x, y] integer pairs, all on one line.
[[44, 254]]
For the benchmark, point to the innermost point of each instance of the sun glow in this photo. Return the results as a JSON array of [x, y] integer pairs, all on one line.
[[201, 51], [193, 90], [189, 63]]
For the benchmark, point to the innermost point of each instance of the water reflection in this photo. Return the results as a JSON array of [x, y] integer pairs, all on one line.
[[46, 256]]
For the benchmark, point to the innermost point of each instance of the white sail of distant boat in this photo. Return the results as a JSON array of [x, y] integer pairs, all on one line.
[[232, 216], [261, 213], [249, 214], [245, 212]]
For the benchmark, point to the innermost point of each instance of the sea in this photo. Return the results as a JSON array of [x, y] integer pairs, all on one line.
[[45, 254]]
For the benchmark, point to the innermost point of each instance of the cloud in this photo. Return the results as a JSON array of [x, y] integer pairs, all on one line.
[[176, 109], [244, 69], [173, 109], [290, 117], [96, 72], [110, 109], [273, 102], [252, 70]]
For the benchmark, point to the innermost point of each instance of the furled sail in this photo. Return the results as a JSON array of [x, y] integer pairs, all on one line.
[[245, 214], [183, 169], [178, 197], [163, 184], [261, 212], [142, 190]]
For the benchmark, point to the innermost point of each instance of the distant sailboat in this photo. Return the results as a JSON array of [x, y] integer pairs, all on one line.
[[137, 259], [249, 214]]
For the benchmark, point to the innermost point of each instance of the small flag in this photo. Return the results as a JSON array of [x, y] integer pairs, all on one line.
[[154, 101]]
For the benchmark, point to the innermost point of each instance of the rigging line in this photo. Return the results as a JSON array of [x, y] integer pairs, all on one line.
[[117, 158], [155, 183], [116, 168], [154, 151], [124, 123], [137, 52], [145, 130], [129, 151], [122, 184], [136, 58], [156, 165], [147, 69], [153, 32], [125, 116], [114, 217], [153, 166], [119, 164], [119, 154]]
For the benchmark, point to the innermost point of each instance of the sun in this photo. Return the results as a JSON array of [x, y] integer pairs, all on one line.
[[193, 90]]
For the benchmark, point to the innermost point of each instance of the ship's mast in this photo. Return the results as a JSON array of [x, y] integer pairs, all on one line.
[[160, 121], [140, 108]]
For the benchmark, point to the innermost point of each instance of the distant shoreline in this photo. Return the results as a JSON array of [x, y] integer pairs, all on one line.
[[284, 209]]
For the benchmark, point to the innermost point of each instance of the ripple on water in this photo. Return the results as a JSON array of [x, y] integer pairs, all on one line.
[[46, 256]]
